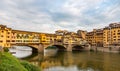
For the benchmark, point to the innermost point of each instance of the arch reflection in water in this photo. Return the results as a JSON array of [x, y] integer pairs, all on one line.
[[21, 51], [70, 68], [50, 52]]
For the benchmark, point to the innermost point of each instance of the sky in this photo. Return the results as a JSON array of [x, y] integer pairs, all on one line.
[[51, 15]]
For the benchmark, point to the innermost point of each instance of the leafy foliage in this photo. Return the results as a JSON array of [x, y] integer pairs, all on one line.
[[51, 47], [29, 66], [10, 63], [5, 49]]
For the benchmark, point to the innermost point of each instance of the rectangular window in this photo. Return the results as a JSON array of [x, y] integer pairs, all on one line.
[[2, 31], [2, 36], [13, 40], [8, 32], [8, 40], [1, 41], [114, 37]]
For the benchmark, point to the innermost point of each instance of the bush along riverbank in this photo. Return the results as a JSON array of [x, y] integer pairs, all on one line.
[[10, 63]]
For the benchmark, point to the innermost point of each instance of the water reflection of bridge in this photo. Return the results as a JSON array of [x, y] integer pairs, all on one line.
[[82, 61]]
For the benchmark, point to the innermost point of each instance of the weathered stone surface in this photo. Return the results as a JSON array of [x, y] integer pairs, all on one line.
[[1, 49], [41, 48]]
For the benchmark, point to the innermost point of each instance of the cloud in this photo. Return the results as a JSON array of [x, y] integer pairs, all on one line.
[[51, 15]]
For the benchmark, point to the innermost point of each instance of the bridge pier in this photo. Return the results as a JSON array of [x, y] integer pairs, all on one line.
[[40, 48], [88, 47], [68, 47]]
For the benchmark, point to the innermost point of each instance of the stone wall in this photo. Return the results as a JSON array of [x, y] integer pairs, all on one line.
[[107, 49]]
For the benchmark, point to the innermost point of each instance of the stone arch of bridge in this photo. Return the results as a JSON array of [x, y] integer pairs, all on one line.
[[34, 47], [77, 47], [60, 47]]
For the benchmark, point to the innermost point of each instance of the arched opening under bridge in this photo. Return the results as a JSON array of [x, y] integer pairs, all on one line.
[[34, 49], [78, 48], [60, 47]]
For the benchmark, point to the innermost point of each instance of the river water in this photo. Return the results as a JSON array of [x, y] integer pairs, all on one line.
[[77, 61]]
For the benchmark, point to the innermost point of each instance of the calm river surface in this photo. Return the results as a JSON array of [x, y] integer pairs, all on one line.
[[77, 61]]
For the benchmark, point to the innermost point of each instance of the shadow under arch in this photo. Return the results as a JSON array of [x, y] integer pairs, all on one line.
[[77, 48], [35, 50], [60, 47]]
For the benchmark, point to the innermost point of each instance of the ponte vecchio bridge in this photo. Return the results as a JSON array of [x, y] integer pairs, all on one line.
[[64, 40]]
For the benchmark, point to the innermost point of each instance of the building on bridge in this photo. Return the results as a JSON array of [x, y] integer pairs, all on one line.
[[10, 37], [50, 38], [24, 37], [71, 38], [82, 34]]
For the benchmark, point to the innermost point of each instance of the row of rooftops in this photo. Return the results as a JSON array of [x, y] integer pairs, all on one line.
[[95, 31], [46, 34], [65, 32], [98, 31], [113, 25], [4, 27]]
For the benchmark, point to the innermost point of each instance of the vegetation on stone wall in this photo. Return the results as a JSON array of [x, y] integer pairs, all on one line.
[[51, 47], [5, 49]]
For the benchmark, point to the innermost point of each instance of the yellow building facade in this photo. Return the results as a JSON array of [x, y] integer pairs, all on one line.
[[112, 35], [72, 38], [90, 38], [99, 37], [106, 37], [44, 39], [10, 37], [50, 38], [95, 38], [25, 37], [5, 36]]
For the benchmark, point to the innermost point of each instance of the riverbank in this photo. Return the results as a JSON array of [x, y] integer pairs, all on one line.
[[106, 49], [10, 63]]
